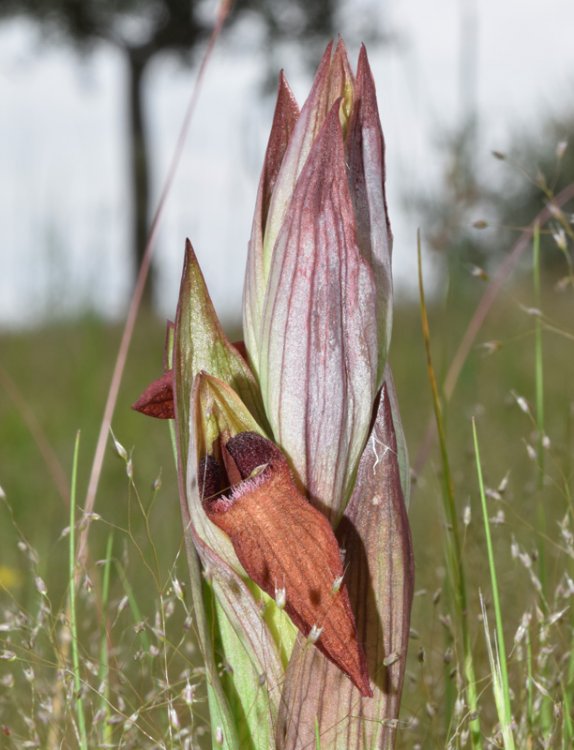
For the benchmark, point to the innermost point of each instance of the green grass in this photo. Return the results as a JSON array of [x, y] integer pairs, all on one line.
[[497, 656], [488, 390], [63, 373], [137, 663], [455, 565], [72, 582]]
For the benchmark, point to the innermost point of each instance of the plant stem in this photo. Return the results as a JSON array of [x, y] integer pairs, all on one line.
[[506, 717], [454, 548], [539, 391], [104, 671], [72, 601]]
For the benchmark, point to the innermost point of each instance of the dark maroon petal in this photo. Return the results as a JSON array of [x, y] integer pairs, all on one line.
[[284, 119], [250, 450], [210, 478], [157, 399]]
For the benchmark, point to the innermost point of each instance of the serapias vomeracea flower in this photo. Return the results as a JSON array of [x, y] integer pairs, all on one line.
[[291, 458]]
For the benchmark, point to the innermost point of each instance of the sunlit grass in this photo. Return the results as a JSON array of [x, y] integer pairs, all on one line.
[[497, 654]]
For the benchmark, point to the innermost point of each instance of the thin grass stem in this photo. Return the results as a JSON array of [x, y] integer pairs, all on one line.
[[454, 558], [546, 713], [104, 665], [83, 738], [539, 391], [529, 684], [505, 713], [497, 679]]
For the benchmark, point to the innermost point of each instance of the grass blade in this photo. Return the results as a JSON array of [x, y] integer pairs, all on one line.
[[539, 391], [103, 671], [498, 657], [72, 602], [498, 682], [454, 560]]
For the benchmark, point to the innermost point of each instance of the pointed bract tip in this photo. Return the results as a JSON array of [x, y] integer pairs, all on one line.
[[189, 255], [340, 49], [283, 86], [364, 67]]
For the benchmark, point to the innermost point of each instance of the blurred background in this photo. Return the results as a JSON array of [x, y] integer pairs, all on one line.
[[476, 102], [93, 95]]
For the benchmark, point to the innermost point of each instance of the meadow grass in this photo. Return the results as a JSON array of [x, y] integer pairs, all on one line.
[[137, 662], [136, 679]]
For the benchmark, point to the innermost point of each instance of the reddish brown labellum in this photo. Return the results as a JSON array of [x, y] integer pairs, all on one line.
[[285, 545]]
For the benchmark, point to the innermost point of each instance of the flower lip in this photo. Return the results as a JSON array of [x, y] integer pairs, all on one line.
[[282, 541], [246, 461]]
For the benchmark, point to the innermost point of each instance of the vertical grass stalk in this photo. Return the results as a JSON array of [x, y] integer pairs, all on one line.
[[498, 665], [72, 602], [567, 723], [529, 683], [546, 714], [454, 560], [539, 397], [104, 671]]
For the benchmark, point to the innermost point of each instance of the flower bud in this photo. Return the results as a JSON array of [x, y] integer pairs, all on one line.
[[318, 293]]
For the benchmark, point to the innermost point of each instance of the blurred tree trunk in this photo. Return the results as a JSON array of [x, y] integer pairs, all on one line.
[[139, 166]]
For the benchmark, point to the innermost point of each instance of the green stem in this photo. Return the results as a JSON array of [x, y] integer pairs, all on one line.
[[539, 395], [104, 668], [506, 719], [455, 564], [72, 598]]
